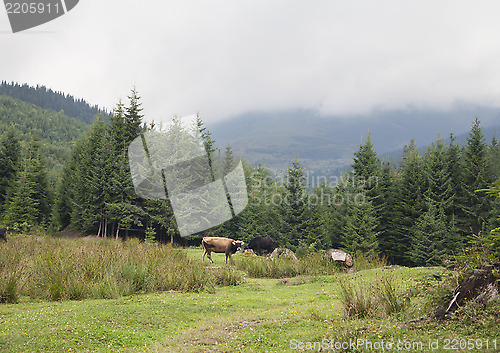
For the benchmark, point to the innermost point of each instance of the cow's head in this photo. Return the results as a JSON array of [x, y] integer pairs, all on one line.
[[238, 244], [3, 233]]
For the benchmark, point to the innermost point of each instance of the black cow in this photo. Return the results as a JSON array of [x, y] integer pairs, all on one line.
[[258, 244], [3, 233]]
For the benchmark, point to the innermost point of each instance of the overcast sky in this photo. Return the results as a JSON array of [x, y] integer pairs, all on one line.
[[223, 58]]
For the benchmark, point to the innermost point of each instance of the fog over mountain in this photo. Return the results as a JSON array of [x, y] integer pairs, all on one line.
[[327, 143]]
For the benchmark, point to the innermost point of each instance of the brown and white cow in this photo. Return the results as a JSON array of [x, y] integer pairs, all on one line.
[[220, 245]]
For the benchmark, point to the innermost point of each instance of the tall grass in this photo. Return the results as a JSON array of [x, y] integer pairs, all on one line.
[[312, 264], [379, 297], [59, 269]]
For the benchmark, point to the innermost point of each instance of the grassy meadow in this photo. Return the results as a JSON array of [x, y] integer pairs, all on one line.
[[61, 295]]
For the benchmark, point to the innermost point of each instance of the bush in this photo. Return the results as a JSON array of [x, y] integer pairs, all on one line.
[[364, 262], [356, 299], [377, 298]]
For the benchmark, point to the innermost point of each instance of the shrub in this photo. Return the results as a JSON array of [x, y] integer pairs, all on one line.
[[364, 262], [391, 301], [356, 299], [379, 297]]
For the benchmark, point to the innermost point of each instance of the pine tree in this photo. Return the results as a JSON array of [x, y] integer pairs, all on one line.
[[389, 234], [454, 170], [366, 167], [476, 175], [10, 153], [318, 224], [411, 202], [429, 238], [91, 183], [118, 130], [22, 213], [38, 173], [294, 207], [360, 230], [439, 184], [133, 117], [260, 217], [29, 202]]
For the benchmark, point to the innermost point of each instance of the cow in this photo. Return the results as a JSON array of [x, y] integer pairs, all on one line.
[[220, 245], [258, 244], [3, 233]]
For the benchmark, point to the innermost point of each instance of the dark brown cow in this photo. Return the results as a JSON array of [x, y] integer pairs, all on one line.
[[3, 233], [220, 245], [260, 244]]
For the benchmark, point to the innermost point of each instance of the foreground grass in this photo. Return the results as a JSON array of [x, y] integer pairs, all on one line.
[[260, 315], [73, 269]]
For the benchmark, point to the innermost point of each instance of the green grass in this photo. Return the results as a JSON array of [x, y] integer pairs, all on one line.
[[64, 269], [259, 315]]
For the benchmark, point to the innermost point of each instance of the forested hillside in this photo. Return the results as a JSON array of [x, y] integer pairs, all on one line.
[[48, 99], [57, 132], [421, 212]]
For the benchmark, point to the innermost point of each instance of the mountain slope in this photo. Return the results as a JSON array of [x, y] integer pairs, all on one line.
[[48, 99], [57, 131]]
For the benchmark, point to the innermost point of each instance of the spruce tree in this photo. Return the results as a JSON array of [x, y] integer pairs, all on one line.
[[430, 238], [389, 233], [294, 207], [411, 202], [366, 167], [454, 169], [38, 174], [476, 175], [23, 211], [360, 231], [10, 153], [29, 199], [91, 179], [439, 183], [133, 117]]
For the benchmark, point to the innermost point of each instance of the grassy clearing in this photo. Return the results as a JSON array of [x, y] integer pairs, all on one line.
[[259, 315], [60, 269]]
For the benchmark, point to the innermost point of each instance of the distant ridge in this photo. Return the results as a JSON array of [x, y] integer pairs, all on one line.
[[49, 99], [326, 144]]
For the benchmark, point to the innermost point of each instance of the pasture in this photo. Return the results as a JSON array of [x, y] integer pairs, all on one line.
[[245, 306]]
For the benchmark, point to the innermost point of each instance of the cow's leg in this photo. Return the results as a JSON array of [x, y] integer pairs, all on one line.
[[204, 252], [209, 255]]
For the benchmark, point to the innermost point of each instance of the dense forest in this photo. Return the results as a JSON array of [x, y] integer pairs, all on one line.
[[419, 212], [48, 99], [56, 131]]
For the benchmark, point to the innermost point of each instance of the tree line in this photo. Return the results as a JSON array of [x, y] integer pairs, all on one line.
[[54, 100], [416, 213]]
